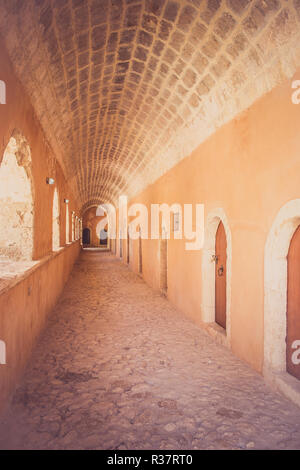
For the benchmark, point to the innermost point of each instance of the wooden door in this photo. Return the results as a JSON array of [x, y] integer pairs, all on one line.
[[293, 305], [220, 276], [164, 265]]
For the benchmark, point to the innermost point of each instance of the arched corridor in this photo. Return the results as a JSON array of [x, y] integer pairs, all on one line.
[[149, 224], [131, 372]]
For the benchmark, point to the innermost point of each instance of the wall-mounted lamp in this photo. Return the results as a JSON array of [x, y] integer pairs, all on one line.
[[50, 180], [66, 201]]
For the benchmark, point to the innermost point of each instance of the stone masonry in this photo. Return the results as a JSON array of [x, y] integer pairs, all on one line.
[[128, 371], [124, 89]]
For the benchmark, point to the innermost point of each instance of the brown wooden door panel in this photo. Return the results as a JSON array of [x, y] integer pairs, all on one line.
[[164, 265], [293, 303], [220, 276]]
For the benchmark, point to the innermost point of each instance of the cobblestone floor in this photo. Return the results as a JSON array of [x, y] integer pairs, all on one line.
[[119, 368]]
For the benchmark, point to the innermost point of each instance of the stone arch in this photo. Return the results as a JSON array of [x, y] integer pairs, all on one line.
[[208, 269], [16, 200], [102, 227], [55, 222], [275, 286]]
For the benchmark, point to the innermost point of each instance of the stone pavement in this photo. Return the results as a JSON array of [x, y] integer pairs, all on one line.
[[119, 368]]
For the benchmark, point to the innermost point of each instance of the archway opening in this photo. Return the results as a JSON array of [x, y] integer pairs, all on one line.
[[73, 226], [96, 220], [55, 222], [86, 236], [103, 237], [16, 196], [67, 224]]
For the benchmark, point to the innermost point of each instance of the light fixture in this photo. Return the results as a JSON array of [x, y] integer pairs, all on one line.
[[66, 201], [50, 180]]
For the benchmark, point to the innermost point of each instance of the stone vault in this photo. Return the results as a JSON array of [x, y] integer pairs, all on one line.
[[124, 89]]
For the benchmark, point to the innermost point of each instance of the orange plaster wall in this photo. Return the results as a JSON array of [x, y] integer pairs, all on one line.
[[19, 114], [24, 307], [250, 168], [23, 312]]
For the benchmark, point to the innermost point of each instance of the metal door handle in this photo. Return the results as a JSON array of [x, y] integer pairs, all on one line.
[[221, 271]]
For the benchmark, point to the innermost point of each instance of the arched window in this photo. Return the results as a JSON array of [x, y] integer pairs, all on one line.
[[67, 224], [73, 226], [16, 200], [55, 222]]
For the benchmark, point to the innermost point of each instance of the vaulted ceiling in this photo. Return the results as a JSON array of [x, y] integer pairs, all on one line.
[[124, 89]]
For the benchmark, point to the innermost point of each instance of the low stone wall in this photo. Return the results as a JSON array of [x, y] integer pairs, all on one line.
[[25, 302]]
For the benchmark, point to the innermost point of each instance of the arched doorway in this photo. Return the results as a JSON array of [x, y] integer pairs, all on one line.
[[293, 306], [216, 276], [220, 276], [103, 237], [86, 236], [280, 273]]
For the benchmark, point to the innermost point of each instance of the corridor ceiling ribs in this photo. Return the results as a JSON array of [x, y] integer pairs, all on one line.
[[125, 89]]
